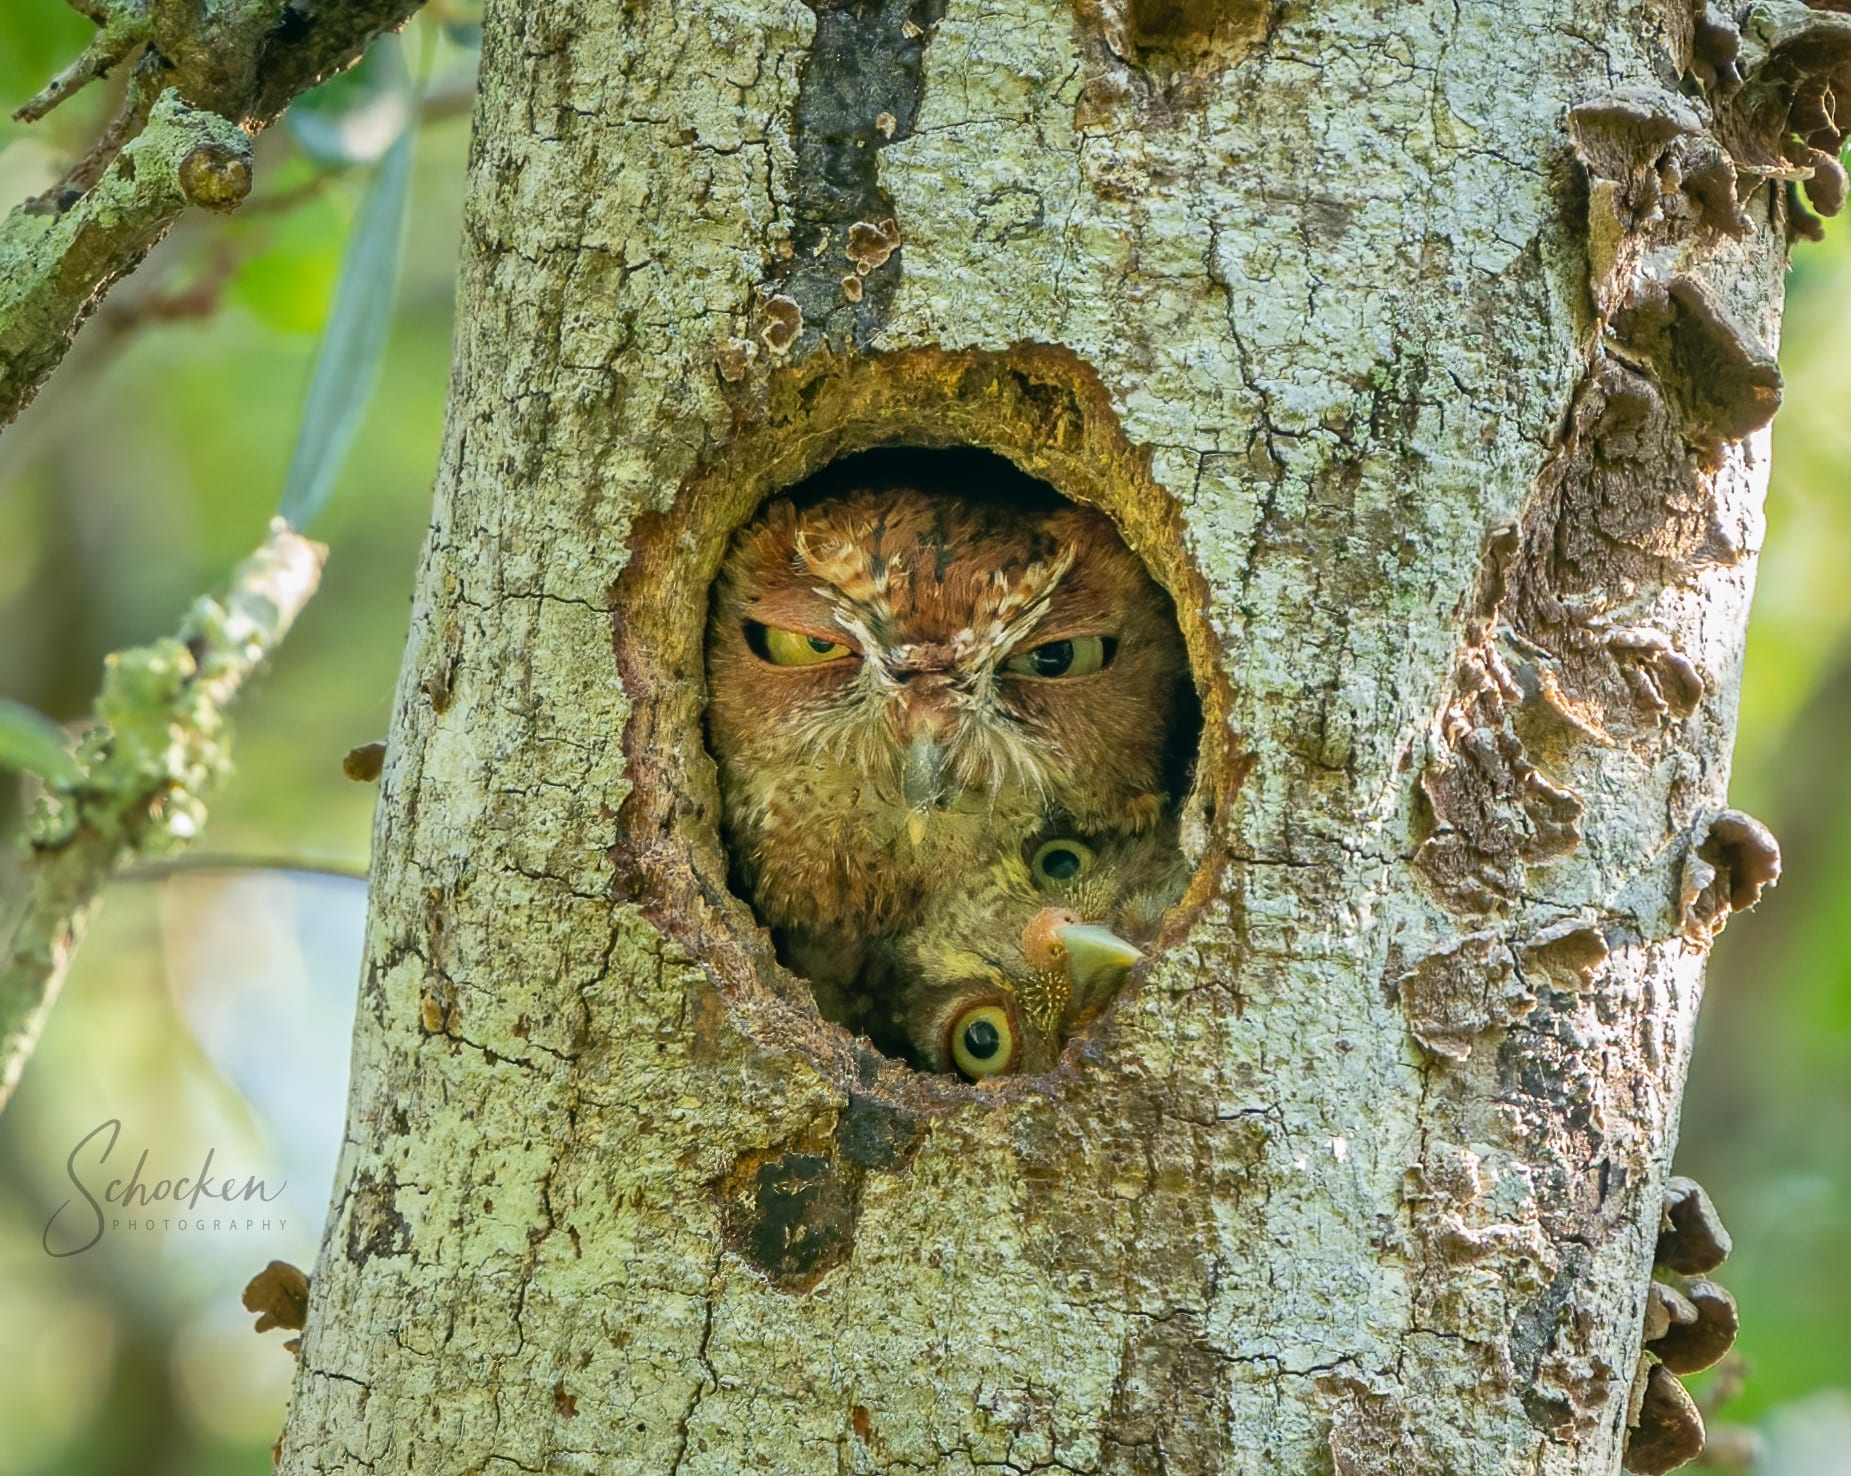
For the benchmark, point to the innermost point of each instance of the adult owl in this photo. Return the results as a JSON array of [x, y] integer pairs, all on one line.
[[904, 684], [998, 974]]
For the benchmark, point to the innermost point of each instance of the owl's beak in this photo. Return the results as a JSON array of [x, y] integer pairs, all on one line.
[[1097, 958], [922, 783]]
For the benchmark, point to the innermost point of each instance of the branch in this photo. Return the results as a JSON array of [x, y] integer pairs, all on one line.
[[56, 270], [161, 746], [245, 60], [221, 73]]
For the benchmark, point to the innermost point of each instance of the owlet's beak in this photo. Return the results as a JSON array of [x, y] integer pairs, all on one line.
[[1097, 958]]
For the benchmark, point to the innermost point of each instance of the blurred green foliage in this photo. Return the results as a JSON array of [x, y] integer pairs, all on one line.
[[151, 463], [1767, 1121]]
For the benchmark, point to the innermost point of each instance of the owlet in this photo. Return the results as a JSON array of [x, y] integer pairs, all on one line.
[[903, 685], [999, 973]]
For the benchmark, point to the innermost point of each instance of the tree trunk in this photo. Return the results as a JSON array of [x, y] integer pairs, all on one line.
[[1423, 353]]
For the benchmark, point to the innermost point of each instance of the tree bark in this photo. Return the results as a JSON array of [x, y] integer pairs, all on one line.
[[1423, 352]]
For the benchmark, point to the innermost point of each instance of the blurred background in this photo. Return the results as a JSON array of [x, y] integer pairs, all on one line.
[[210, 1007]]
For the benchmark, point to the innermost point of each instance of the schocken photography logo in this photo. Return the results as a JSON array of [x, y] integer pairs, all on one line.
[[144, 1203]]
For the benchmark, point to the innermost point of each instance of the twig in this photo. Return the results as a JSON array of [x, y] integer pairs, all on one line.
[[138, 97], [236, 58], [161, 745], [122, 26], [199, 299]]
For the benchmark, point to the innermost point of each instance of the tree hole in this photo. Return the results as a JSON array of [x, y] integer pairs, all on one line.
[[954, 725], [933, 592]]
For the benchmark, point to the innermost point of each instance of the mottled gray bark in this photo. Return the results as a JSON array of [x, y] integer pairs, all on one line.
[[1423, 352]]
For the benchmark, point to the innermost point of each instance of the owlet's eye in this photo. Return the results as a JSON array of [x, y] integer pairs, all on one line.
[[1061, 861], [793, 647], [1081, 656], [982, 1041]]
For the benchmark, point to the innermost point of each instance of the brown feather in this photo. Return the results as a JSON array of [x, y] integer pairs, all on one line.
[[933, 593], [988, 940]]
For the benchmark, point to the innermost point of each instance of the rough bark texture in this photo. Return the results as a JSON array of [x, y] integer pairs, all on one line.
[[1422, 353]]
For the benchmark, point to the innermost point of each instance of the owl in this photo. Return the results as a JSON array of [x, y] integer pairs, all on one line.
[[904, 684], [996, 976]]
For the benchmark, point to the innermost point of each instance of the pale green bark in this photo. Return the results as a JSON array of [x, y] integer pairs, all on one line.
[[1364, 1174]]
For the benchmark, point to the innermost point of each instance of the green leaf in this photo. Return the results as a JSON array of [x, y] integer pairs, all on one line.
[[354, 343], [32, 743]]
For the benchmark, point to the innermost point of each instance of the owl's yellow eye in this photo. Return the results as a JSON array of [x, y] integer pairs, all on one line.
[[1061, 861], [982, 1041], [793, 647], [1081, 656]]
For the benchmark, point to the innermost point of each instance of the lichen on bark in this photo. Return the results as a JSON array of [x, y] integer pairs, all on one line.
[[1316, 305]]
